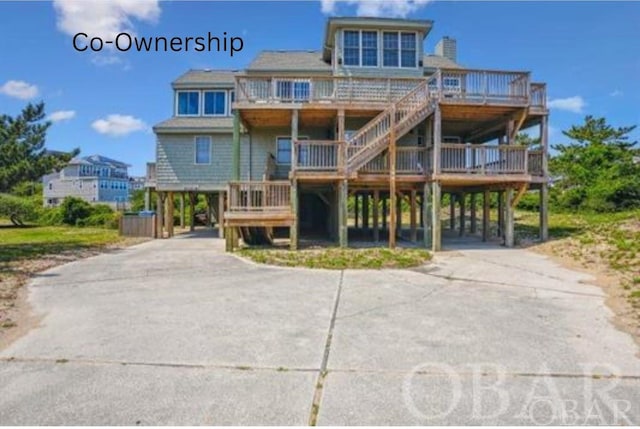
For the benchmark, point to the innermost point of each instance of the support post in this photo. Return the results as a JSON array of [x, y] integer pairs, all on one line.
[[384, 213], [170, 209], [427, 224], [342, 148], [398, 210], [160, 215], [509, 240], [452, 211], [343, 194], [500, 209], [376, 208], [486, 215], [293, 229], [392, 179], [544, 187], [413, 216], [221, 228], [544, 212], [192, 216], [462, 213], [436, 242], [356, 210], [473, 219], [235, 154], [147, 199], [365, 211], [181, 209]]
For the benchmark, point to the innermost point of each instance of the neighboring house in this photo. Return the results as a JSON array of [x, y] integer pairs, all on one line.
[[95, 179], [286, 141], [136, 183]]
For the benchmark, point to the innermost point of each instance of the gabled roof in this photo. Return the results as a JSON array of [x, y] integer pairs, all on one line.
[[197, 124], [98, 160], [289, 61], [205, 78]]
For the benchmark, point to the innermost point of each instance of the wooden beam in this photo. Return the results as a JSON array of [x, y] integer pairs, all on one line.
[[521, 191], [235, 154], [384, 213], [365, 211], [294, 229], [518, 124], [193, 197], [500, 213], [182, 209], [160, 215]]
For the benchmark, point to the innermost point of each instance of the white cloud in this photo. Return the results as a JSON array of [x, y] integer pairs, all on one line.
[[616, 93], [118, 125], [19, 89], [384, 8], [106, 60], [62, 115], [573, 104], [105, 19]]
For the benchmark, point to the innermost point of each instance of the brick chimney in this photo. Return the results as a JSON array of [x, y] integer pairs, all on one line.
[[448, 48]]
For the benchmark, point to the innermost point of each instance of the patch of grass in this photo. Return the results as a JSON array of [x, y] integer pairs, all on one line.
[[635, 294], [28, 243], [339, 259]]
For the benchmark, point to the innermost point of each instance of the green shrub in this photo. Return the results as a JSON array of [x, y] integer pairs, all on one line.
[[50, 216], [74, 209], [18, 209]]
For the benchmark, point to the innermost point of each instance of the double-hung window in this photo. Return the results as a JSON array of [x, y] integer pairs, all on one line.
[[399, 49], [351, 48], [188, 103], [203, 150], [360, 48], [283, 150], [215, 103]]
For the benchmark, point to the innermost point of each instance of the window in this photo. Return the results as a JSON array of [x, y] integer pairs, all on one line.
[[232, 98], [451, 83], [215, 103], [293, 90], [407, 49], [188, 103], [399, 49], [203, 150], [360, 48], [283, 150], [50, 186], [390, 49], [370, 48], [351, 50]]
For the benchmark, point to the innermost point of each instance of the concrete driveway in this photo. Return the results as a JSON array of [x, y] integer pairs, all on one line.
[[178, 332]]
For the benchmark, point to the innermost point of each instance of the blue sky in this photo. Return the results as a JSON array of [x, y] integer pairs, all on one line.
[[588, 53]]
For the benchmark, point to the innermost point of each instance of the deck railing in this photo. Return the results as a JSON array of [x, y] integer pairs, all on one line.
[[329, 89], [485, 160], [534, 162], [484, 86], [318, 155], [409, 160], [265, 196], [450, 85], [539, 95]]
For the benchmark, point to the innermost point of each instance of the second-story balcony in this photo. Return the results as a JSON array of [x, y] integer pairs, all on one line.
[[462, 86], [476, 162]]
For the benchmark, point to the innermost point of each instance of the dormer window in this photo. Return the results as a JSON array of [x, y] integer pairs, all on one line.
[[215, 103], [399, 49], [188, 103], [360, 48]]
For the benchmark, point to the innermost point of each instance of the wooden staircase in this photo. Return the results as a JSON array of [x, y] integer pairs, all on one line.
[[401, 116]]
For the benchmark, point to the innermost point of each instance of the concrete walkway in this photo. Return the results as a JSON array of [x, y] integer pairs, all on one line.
[[178, 332]]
